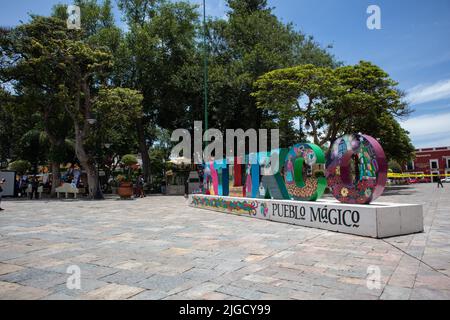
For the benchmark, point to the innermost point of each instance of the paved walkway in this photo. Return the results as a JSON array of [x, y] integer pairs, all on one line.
[[158, 248]]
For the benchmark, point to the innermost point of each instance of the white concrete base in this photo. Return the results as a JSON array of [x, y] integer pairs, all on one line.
[[377, 220]]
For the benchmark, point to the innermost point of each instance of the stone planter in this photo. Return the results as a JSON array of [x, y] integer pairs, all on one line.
[[125, 190]]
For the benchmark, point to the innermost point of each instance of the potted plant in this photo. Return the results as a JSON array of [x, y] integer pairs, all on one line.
[[125, 189]]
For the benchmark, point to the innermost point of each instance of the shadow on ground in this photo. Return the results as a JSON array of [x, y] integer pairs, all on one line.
[[399, 191]]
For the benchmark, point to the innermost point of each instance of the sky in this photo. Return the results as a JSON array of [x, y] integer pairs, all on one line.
[[413, 46]]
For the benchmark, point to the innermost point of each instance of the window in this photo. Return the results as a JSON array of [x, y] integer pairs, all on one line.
[[410, 166], [448, 163], [434, 164]]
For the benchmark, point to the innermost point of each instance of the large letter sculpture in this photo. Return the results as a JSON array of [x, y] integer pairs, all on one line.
[[235, 179], [221, 168], [272, 185], [210, 179], [252, 176], [356, 169], [356, 172], [304, 172]]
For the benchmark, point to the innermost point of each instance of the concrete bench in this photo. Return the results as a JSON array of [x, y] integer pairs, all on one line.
[[29, 190], [67, 188]]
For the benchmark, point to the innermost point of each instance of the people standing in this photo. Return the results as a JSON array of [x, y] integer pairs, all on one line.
[[140, 186], [2, 183], [23, 185], [76, 176], [439, 183], [186, 188], [34, 187]]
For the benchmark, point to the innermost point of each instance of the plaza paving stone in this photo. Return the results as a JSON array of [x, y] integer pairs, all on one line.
[[159, 248]]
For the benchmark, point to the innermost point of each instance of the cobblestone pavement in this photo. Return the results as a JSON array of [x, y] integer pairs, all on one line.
[[158, 248]]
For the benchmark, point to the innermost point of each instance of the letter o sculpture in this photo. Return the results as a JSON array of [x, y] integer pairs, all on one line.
[[367, 180]]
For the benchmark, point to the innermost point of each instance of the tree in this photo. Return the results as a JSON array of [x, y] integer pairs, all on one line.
[[67, 74], [95, 17], [160, 156], [98, 31], [86, 99], [283, 91], [7, 134], [360, 98], [243, 7], [157, 49], [20, 166], [116, 111], [252, 42], [31, 69], [395, 167]]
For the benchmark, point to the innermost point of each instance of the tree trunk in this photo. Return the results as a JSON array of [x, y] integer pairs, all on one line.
[[143, 149], [93, 182], [56, 177], [86, 163]]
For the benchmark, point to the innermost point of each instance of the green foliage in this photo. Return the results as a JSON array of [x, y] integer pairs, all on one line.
[[129, 159], [120, 105], [395, 167], [20, 166], [245, 7], [116, 111], [141, 82], [252, 42], [94, 16], [348, 99], [61, 72], [137, 11], [159, 47], [7, 134], [32, 59]]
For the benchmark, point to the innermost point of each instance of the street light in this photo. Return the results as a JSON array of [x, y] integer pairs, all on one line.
[[205, 68]]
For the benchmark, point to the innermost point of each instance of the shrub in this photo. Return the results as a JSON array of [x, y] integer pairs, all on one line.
[[129, 159], [20, 166]]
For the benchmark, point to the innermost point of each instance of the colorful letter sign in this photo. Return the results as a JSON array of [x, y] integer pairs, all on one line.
[[356, 169], [356, 172], [304, 176]]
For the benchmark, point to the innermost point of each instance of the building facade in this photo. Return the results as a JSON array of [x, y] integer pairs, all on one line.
[[434, 161]]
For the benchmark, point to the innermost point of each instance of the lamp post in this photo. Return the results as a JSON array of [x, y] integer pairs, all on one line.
[[205, 67]]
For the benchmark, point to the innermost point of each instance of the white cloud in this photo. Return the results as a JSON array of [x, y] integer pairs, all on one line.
[[431, 130], [430, 92], [428, 124], [443, 141]]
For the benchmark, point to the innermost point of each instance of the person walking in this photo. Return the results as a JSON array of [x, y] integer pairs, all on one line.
[[2, 183], [439, 183]]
